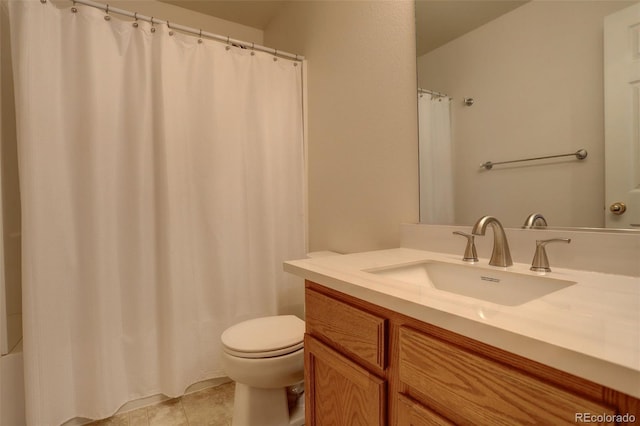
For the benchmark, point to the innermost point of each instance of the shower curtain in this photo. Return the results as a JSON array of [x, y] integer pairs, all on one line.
[[162, 187], [436, 166]]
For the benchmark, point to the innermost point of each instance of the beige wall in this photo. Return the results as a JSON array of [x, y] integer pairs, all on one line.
[[362, 119], [536, 75]]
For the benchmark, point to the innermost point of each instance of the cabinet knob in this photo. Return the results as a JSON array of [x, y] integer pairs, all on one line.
[[618, 208]]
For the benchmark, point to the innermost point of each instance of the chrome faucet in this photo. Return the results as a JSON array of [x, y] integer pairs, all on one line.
[[501, 256], [535, 220]]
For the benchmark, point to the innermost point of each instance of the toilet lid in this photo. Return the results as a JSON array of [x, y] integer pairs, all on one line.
[[264, 337]]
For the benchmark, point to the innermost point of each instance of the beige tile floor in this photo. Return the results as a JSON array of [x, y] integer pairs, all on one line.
[[208, 407]]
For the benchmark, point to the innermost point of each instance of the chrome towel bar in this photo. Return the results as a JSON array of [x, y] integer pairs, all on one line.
[[580, 154]]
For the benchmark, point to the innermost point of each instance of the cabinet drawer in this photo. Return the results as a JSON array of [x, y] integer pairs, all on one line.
[[352, 330], [469, 389]]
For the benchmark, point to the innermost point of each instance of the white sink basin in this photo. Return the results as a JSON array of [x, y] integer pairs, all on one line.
[[501, 287]]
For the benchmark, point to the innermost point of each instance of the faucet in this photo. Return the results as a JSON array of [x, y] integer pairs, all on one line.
[[501, 256], [535, 220]]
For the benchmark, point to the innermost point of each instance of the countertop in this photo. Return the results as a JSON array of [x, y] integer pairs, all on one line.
[[590, 329]]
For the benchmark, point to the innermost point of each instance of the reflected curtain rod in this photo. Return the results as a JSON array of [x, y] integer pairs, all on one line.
[[198, 32], [433, 93]]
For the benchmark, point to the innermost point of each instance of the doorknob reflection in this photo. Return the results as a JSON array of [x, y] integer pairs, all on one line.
[[618, 208]]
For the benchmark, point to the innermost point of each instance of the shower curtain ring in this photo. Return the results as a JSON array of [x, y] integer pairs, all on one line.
[[253, 46], [107, 17], [170, 30], [135, 23], [200, 36], [228, 46], [275, 55], [153, 29], [74, 9]]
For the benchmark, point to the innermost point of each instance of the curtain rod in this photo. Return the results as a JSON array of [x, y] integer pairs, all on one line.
[[433, 92], [194, 31]]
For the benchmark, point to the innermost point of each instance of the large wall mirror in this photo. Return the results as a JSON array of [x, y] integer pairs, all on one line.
[[513, 80]]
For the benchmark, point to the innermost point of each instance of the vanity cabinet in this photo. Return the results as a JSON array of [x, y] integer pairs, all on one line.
[[368, 365], [468, 388], [345, 361]]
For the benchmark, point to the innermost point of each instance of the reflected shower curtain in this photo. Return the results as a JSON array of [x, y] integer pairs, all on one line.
[[162, 187], [436, 166]]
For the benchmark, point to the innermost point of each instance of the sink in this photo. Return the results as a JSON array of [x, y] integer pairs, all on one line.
[[501, 287]]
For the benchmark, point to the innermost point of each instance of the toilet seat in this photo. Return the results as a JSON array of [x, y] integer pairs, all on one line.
[[264, 337]]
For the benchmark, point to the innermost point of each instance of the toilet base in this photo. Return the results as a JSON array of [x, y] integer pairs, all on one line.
[[264, 407], [296, 415]]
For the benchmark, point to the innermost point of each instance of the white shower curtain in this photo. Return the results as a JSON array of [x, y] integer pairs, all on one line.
[[162, 187], [436, 166]]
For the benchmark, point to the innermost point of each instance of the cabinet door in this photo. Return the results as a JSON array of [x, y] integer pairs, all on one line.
[[412, 413], [340, 392]]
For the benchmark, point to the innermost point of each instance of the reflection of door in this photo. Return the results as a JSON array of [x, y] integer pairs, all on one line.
[[622, 118]]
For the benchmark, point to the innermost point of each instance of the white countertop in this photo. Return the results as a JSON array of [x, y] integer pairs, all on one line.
[[590, 329]]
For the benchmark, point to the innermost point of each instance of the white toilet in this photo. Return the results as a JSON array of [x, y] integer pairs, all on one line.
[[264, 356]]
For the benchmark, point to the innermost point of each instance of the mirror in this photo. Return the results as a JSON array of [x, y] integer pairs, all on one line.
[[522, 79]]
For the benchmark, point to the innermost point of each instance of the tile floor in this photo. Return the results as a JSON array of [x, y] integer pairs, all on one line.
[[209, 407]]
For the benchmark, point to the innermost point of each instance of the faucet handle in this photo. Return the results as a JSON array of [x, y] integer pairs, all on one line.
[[540, 261], [470, 254]]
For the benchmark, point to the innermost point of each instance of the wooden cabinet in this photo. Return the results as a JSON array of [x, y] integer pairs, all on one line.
[[367, 365], [339, 391], [412, 413], [472, 389], [345, 360]]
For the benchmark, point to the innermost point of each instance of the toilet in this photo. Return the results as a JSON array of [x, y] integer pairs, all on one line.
[[265, 357]]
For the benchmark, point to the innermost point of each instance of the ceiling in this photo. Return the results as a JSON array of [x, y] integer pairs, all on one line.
[[440, 21], [437, 21]]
